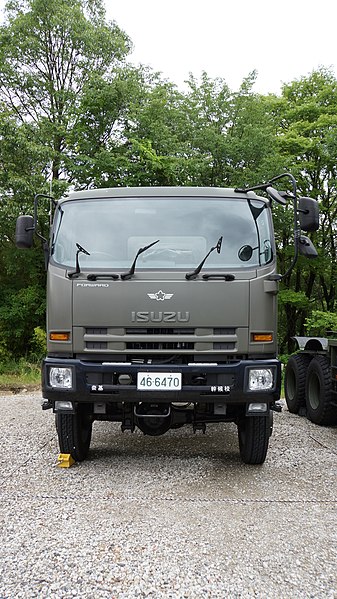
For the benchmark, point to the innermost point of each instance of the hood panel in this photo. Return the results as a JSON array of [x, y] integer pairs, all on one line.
[[130, 303]]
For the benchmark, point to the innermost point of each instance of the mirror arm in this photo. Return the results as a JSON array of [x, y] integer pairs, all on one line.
[[36, 201], [297, 230], [297, 234], [263, 186]]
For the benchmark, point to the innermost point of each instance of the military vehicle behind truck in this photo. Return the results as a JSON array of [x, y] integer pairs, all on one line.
[[162, 309], [311, 380]]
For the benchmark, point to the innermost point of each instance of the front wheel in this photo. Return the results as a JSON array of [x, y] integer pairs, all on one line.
[[74, 433], [254, 433], [318, 392]]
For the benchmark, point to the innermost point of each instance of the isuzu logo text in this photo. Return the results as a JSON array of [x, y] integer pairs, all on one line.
[[160, 316]]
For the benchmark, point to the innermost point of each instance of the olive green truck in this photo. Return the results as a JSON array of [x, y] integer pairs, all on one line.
[[162, 309]]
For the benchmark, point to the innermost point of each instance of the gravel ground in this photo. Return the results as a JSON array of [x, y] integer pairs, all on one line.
[[177, 516]]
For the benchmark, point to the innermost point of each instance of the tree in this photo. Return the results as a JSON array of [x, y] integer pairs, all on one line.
[[307, 145], [231, 132], [49, 51], [22, 276]]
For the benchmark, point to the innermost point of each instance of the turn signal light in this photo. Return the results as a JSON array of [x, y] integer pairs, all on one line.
[[59, 336], [262, 337]]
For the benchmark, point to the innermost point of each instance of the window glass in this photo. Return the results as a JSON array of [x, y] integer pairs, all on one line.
[[112, 231]]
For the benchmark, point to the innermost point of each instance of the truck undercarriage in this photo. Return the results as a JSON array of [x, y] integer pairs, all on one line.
[[208, 393]]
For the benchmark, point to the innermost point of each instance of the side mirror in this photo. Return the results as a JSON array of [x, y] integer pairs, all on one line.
[[245, 253], [308, 214], [24, 232], [276, 195], [306, 247]]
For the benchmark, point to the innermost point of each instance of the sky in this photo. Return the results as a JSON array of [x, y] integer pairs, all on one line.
[[282, 41]]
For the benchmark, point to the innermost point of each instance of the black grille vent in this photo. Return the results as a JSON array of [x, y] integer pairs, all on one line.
[[227, 331], [96, 345], [96, 331], [171, 345], [158, 331], [229, 345]]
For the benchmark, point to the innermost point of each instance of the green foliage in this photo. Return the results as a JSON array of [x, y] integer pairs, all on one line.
[[49, 51], [20, 313], [306, 134], [319, 323], [294, 298], [38, 345], [283, 359]]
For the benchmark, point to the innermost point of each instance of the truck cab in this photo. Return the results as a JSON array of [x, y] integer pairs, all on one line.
[[162, 312]]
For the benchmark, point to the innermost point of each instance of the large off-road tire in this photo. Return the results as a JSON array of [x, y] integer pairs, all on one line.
[[294, 381], [318, 392], [254, 433], [74, 433]]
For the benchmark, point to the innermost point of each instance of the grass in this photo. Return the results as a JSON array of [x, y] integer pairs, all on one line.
[[15, 374]]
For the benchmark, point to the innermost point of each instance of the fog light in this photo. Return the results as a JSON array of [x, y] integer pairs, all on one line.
[[257, 407], [260, 379], [63, 405], [61, 378]]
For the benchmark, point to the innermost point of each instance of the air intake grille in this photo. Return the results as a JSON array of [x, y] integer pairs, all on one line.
[[160, 339], [159, 345], [159, 331], [171, 345]]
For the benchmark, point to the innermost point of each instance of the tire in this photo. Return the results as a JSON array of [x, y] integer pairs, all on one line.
[[294, 381], [74, 434], [254, 433], [318, 392]]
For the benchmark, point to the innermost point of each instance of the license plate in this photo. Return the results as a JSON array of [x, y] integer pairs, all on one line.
[[159, 381]]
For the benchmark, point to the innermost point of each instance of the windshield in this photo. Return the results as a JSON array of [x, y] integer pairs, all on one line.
[[113, 230]]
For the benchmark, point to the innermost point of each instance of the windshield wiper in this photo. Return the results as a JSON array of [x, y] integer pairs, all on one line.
[[91, 276], [194, 274], [77, 270], [130, 273]]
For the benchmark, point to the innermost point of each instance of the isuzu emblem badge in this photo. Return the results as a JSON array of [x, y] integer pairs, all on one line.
[[160, 296]]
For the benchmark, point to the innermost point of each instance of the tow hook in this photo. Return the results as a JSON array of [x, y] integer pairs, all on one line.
[[276, 407], [199, 426], [46, 405]]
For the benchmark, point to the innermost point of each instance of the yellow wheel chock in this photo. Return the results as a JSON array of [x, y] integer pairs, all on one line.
[[65, 460]]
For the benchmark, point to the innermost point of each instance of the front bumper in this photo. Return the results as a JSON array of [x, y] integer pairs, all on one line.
[[100, 382]]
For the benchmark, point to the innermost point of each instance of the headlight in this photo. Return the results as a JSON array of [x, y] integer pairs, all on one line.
[[61, 378], [260, 379]]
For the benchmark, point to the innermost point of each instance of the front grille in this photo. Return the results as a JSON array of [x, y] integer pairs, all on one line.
[[135, 340]]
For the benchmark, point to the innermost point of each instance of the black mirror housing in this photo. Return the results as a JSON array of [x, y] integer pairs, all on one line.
[[308, 214], [306, 247], [24, 232], [276, 195]]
